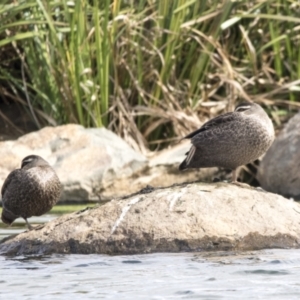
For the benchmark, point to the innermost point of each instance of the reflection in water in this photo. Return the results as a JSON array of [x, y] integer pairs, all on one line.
[[271, 274]]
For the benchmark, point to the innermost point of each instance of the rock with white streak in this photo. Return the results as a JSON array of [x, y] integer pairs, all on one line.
[[193, 217]]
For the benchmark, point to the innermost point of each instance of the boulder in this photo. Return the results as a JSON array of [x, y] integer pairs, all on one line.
[[188, 217], [95, 164], [86, 160], [279, 170]]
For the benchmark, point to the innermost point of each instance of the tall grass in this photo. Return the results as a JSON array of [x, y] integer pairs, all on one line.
[[149, 70]]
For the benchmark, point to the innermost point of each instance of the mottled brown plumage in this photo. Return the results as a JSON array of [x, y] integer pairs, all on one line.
[[231, 140], [29, 191]]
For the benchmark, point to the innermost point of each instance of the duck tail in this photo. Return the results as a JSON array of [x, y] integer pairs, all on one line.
[[7, 217], [189, 156], [183, 165]]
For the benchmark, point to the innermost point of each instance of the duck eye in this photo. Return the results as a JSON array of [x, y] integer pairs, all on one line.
[[242, 108], [26, 161]]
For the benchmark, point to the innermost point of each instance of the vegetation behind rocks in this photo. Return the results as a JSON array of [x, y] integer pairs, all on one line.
[[149, 70]]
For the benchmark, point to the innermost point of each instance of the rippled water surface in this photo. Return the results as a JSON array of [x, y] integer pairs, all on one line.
[[271, 274]]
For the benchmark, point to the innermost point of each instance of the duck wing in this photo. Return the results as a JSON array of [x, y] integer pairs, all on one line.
[[9, 179], [213, 124], [209, 139]]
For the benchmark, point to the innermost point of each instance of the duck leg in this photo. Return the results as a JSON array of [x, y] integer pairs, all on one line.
[[28, 225], [234, 176]]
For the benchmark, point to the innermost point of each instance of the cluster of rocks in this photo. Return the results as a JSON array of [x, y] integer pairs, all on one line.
[[95, 164]]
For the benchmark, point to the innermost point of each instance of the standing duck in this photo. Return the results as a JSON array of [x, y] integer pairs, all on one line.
[[29, 191], [231, 140]]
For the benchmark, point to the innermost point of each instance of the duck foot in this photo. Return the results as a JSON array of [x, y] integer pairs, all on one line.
[[234, 180], [241, 184]]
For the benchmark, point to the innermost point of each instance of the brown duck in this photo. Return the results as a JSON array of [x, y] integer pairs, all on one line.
[[231, 140], [29, 191]]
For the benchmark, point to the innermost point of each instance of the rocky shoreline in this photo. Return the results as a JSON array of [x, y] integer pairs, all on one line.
[[96, 165]]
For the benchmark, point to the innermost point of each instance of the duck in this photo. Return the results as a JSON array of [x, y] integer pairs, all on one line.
[[231, 140], [31, 190]]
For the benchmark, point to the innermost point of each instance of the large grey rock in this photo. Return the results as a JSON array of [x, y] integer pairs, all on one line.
[[86, 160], [193, 217], [279, 170], [95, 164]]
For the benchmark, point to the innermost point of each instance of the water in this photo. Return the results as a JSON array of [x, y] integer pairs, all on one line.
[[19, 224], [270, 274]]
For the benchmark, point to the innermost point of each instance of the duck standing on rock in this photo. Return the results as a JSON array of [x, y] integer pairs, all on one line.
[[29, 191], [231, 140]]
